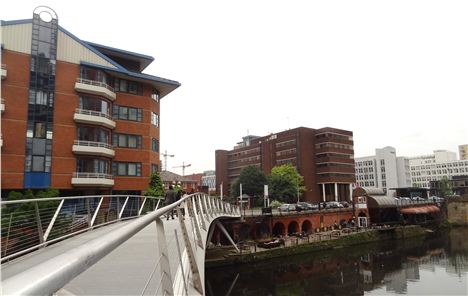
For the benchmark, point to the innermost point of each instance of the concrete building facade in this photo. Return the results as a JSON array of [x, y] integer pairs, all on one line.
[[324, 157], [463, 152], [384, 170], [76, 116], [434, 167]]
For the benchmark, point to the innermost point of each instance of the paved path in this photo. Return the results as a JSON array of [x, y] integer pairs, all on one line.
[[125, 271]]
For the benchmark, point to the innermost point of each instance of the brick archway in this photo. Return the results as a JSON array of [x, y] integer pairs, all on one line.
[[293, 227], [306, 226], [279, 229], [262, 230]]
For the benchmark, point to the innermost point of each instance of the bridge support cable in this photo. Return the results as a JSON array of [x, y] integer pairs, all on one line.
[[221, 226]]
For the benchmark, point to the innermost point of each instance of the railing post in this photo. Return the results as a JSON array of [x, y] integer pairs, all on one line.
[[180, 261], [191, 257], [51, 224], [88, 209], [96, 211], [164, 265], [39, 224], [142, 205], [8, 235], [123, 207]]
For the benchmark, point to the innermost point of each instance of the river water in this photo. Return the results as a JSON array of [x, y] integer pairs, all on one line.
[[437, 265]]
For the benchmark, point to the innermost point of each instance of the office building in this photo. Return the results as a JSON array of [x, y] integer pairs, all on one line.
[[324, 157], [434, 167], [76, 116], [383, 170], [463, 152]]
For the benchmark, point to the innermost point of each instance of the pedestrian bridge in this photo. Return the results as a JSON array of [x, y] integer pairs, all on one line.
[[108, 245]]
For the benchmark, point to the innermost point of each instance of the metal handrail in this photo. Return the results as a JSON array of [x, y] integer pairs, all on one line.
[[93, 144], [92, 175], [92, 113], [95, 83], [50, 276]]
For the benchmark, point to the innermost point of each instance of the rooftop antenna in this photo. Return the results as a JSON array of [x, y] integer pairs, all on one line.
[[165, 158], [183, 166]]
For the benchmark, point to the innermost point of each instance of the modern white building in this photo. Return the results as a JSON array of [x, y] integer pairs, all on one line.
[[209, 179], [434, 167], [383, 170], [463, 151]]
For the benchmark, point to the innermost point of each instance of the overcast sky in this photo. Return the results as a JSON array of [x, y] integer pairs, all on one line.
[[393, 72]]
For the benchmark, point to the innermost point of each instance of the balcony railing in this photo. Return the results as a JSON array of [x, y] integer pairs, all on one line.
[[93, 144], [92, 180], [93, 175], [95, 87], [94, 83], [94, 117], [93, 148], [92, 113], [2, 106]]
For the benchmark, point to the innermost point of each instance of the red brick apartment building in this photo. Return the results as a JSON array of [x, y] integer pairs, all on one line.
[[76, 116], [324, 157]]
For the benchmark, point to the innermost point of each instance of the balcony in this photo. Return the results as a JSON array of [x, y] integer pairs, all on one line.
[[93, 148], [93, 117], [4, 71], [94, 88], [2, 106], [92, 180]]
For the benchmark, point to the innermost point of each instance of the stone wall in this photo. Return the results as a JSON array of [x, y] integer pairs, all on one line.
[[457, 210]]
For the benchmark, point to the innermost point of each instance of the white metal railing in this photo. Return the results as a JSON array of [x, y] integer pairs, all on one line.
[[92, 175], [93, 144], [4, 67], [29, 224], [90, 211], [92, 113], [94, 83]]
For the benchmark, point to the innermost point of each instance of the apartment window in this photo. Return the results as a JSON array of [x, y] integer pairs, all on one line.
[[94, 134], [126, 141], [155, 95], [92, 165], [39, 130], [128, 86], [154, 168], [154, 119], [126, 168], [155, 145], [127, 113], [94, 104]]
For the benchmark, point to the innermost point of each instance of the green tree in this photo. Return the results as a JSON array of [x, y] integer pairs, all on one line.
[[285, 183], [252, 180], [156, 187], [446, 187]]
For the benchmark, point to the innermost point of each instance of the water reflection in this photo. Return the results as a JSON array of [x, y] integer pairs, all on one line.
[[435, 266]]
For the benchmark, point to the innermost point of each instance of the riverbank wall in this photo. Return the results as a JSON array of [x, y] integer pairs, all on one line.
[[457, 211], [368, 236]]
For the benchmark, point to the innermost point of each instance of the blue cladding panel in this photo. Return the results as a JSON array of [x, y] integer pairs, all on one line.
[[36, 180]]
